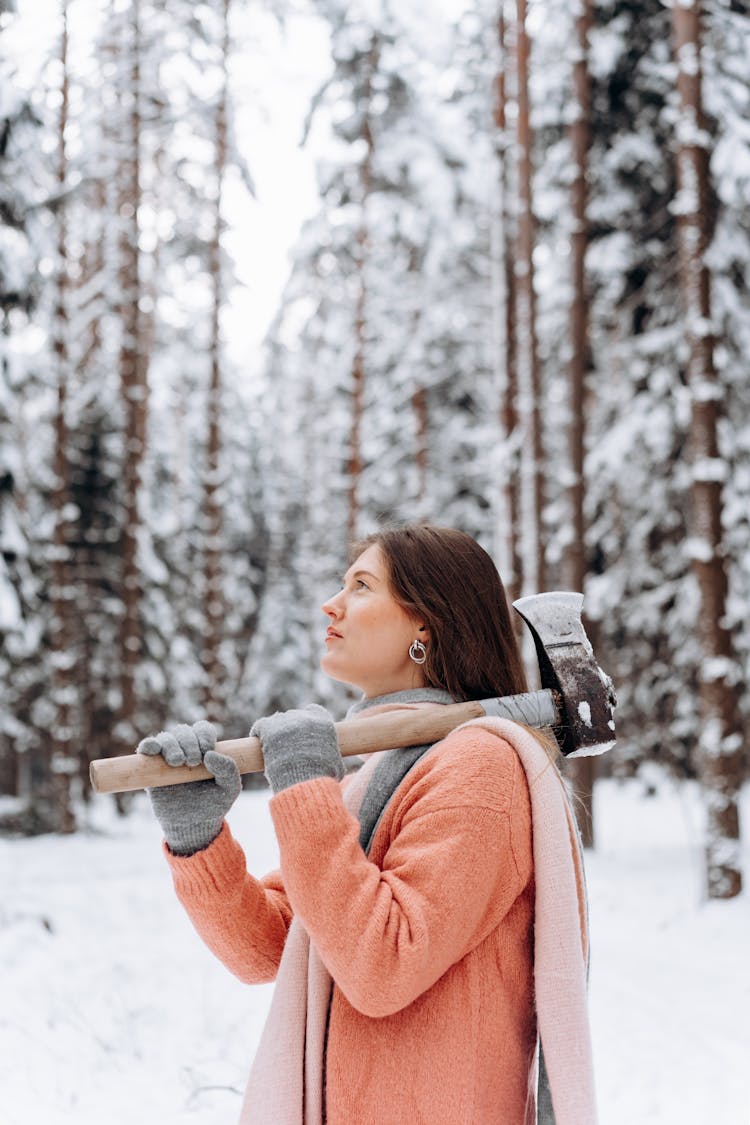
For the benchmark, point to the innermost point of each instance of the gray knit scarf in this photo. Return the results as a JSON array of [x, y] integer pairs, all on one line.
[[395, 764]]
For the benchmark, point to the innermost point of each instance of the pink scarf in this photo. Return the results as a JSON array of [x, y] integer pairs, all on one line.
[[560, 930], [285, 1083]]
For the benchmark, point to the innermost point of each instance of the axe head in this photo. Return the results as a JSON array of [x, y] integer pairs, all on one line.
[[584, 694]]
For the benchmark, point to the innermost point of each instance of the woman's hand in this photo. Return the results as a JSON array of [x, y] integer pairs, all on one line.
[[298, 746], [192, 815]]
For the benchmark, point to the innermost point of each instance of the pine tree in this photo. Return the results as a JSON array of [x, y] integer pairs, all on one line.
[[214, 602], [582, 771], [63, 742], [93, 400], [642, 591], [720, 744], [529, 370], [726, 98], [24, 184], [575, 553], [367, 69], [508, 539], [637, 591], [132, 360]]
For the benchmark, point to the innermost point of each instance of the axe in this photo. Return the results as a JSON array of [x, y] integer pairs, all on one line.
[[577, 701]]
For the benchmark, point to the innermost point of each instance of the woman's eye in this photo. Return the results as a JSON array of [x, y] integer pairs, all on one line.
[[362, 585]]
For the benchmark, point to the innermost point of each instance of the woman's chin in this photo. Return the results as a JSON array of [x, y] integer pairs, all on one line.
[[329, 666]]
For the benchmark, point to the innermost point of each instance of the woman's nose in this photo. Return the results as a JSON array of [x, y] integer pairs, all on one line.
[[332, 607]]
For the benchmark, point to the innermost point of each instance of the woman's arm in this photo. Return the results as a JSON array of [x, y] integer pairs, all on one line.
[[459, 856], [243, 920]]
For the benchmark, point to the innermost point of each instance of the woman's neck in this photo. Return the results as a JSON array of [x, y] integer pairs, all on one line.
[[408, 695]]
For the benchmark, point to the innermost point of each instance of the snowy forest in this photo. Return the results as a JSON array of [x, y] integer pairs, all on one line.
[[519, 306]]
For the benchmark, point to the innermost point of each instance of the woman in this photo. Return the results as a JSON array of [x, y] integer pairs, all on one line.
[[401, 925]]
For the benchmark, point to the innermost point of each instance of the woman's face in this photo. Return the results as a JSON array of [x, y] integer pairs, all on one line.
[[369, 634]]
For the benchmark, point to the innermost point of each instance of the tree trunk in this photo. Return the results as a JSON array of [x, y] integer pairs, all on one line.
[[64, 754], [529, 374], [214, 607], [94, 571], [583, 770], [354, 468], [575, 554], [419, 406], [720, 744], [132, 385], [509, 532]]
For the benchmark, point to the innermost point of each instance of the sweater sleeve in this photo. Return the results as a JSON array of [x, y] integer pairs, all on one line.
[[458, 857], [243, 920]]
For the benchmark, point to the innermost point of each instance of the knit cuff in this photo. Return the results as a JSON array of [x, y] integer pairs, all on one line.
[[214, 867], [190, 839]]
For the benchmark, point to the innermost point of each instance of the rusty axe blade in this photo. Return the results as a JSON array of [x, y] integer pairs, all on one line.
[[584, 694]]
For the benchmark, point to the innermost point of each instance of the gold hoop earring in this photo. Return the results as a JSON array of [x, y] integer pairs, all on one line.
[[418, 652]]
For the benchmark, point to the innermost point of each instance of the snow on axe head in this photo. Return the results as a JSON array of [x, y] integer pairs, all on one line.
[[584, 694]]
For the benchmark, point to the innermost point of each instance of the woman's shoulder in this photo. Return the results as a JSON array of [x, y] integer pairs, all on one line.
[[472, 766]]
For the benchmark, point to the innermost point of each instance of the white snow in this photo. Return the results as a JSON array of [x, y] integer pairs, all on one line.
[[113, 1010], [689, 59], [10, 609], [719, 668], [704, 390], [698, 549], [710, 469]]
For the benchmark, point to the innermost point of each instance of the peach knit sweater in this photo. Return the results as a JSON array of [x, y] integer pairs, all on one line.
[[428, 939]]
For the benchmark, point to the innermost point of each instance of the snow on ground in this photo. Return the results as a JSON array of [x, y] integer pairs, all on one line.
[[111, 1009]]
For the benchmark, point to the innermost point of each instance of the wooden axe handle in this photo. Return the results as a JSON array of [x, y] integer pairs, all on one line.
[[357, 736]]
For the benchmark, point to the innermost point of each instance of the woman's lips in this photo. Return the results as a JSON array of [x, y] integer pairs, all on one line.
[[332, 635]]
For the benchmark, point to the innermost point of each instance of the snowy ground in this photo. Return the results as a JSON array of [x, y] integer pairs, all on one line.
[[111, 1010]]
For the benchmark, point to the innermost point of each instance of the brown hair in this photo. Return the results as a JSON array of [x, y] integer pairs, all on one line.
[[446, 580]]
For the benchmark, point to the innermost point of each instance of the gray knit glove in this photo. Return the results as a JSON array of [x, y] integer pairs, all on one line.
[[298, 746], [191, 815]]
